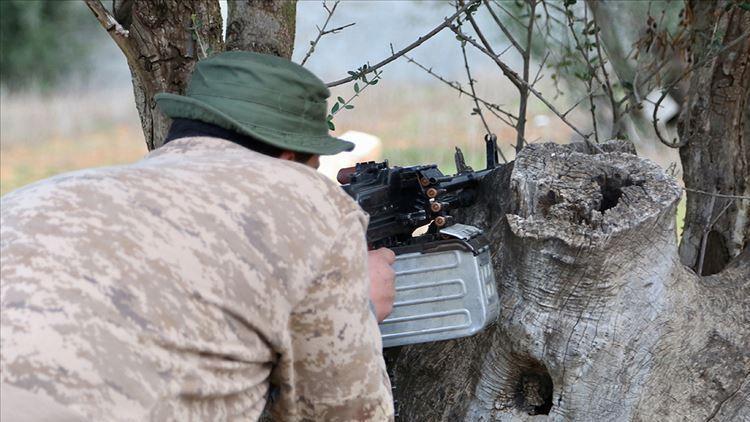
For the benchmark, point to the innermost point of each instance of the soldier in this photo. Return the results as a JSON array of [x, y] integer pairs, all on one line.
[[182, 286]]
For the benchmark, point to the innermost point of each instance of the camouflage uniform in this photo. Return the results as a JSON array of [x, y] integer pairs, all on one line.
[[180, 287]]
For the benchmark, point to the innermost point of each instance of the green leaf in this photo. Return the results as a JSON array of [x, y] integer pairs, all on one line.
[[356, 88], [341, 100], [348, 106], [331, 126], [745, 5], [335, 108], [374, 81], [352, 73]]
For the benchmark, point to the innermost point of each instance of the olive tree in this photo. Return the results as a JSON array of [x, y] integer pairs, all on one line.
[[604, 315]]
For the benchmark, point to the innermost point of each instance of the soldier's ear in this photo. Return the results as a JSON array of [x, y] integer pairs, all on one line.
[[287, 155]]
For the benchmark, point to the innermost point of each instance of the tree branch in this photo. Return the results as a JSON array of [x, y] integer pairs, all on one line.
[[446, 23], [538, 75], [521, 122], [718, 195], [608, 84], [478, 108], [114, 29], [516, 80], [493, 108], [503, 28], [121, 37], [524, 91], [323, 31], [511, 15], [591, 69]]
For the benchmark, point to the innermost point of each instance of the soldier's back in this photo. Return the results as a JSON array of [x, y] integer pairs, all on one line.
[[162, 289]]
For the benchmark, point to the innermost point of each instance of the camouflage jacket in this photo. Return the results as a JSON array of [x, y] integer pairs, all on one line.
[[182, 286]]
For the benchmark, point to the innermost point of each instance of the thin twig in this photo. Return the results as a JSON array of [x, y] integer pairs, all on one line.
[[515, 79], [524, 91], [521, 122], [718, 195], [592, 71], [477, 107], [493, 108], [675, 143], [446, 23], [323, 31], [576, 104], [511, 15], [538, 76], [608, 84], [707, 229], [503, 28], [505, 50]]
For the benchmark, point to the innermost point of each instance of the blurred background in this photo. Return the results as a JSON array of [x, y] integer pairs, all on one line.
[[66, 99]]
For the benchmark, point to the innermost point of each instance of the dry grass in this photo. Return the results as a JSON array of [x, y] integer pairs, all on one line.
[[26, 163]]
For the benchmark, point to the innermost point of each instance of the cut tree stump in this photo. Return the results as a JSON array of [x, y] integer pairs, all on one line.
[[599, 319]]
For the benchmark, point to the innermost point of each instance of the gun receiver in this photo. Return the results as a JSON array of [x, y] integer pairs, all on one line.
[[401, 199], [445, 285]]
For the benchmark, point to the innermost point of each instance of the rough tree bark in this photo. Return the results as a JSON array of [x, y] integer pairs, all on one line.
[[599, 319], [163, 39], [263, 26], [715, 130]]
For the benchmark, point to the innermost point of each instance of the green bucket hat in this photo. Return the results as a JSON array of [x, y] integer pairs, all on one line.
[[267, 97]]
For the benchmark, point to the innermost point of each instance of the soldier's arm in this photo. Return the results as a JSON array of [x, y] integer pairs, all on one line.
[[339, 373], [382, 280]]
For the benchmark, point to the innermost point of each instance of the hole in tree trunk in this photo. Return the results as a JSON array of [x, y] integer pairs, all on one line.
[[611, 188], [533, 391], [717, 257]]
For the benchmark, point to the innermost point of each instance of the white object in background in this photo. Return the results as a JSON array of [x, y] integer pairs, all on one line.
[[366, 148], [540, 120], [667, 109]]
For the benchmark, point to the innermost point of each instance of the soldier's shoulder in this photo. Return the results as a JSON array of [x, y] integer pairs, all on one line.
[[312, 182]]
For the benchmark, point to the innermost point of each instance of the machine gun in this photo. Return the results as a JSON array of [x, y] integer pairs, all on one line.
[[445, 286]]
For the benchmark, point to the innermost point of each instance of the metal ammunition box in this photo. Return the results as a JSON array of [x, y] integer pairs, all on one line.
[[444, 289]]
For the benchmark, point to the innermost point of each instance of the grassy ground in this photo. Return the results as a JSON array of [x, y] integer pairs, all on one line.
[[26, 163]]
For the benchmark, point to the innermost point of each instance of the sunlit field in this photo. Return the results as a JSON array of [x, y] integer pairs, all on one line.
[[422, 123]]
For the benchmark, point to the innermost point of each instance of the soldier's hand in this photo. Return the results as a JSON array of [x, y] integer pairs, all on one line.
[[382, 281]]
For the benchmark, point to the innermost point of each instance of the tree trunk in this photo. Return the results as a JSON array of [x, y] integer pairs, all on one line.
[[715, 132], [263, 26], [599, 319], [163, 39]]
